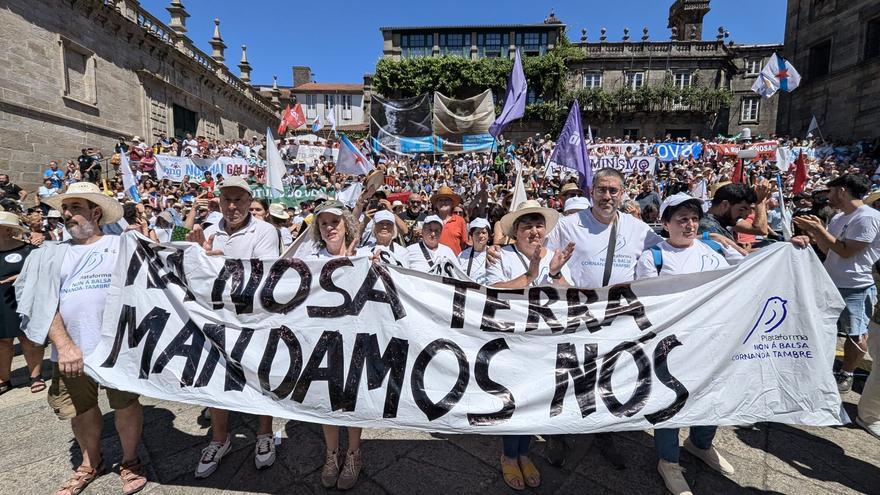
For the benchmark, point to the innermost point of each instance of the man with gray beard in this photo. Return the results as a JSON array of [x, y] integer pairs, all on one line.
[[62, 292]]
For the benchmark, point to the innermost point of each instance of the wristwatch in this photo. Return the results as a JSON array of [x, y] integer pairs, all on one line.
[[555, 277]]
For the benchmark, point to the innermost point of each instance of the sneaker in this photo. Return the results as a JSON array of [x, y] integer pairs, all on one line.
[[711, 457], [211, 456], [873, 428], [350, 471], [264, 451], [844, 381], [330, 471], [671, 473], [555, 450]]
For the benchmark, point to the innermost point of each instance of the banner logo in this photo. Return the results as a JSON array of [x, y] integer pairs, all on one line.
[[773, 314]]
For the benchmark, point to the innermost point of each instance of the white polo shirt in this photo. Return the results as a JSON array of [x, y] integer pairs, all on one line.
[[423, 259], [257, 239]]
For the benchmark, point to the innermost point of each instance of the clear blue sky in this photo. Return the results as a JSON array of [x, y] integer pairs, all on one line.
[[340, 41]]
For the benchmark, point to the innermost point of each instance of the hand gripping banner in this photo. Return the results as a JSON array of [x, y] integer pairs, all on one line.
[[345, 341]]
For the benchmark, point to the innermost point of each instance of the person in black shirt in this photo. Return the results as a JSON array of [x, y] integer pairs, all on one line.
[[11, 190], [411, 215], [89, 168]]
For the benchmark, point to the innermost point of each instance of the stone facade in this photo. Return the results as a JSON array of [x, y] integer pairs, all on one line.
[[835, 46], [83, 74]]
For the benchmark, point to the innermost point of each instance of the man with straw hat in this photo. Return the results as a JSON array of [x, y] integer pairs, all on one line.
[[61, 293], [454, 233]]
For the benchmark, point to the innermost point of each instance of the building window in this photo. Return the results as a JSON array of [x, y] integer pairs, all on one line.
[[820, 59], [631, 134], [492, 45], [635, 79], [532, 44], [78, 80], [416, 45], [754, 66], [532, 97], [346, 107], [872, 38], [682, 80], [311, 106], [455, 44], [750, 109], [329, 102], [593, 80]]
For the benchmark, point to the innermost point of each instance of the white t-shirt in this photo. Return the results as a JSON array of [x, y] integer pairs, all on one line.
[[699, 257], [473, 266], [418, 254], [164, 235], [85, 280], [862, 225], [395, 254], [257, 239], [587, 263], [513, 263]]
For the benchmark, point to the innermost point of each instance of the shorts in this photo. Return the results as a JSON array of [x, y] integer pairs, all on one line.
[[71, 396], [855, 316]]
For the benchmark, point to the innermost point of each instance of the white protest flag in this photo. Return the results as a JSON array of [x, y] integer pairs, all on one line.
[[331, 119], [129, 181], [519, 188], [400, 347], [814, 127], [350, 194], [275, 169]]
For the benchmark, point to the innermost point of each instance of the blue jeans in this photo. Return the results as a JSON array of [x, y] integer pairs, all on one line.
[[514, 446], [666, 441], [859, 306]]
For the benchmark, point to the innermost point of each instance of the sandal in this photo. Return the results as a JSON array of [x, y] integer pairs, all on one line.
[[530, 472], [133, 476], [512, 474], [80, 479], [37, 385]]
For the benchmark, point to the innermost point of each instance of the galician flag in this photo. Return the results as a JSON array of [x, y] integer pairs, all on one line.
[[351, 161], [317, 124], [777, 75], [129, 181], [571, 151], [331, 119]]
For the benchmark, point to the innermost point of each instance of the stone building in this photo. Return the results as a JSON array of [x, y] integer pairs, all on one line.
[[85, 73], [835, 46], [347, 100], [685, 60]]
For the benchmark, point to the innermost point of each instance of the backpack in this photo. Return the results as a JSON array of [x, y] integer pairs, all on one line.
[[657, 253]]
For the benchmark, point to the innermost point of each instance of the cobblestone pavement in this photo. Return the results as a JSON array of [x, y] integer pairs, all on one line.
[[37, 452]]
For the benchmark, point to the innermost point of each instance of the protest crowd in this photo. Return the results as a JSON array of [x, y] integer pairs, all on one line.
[[508, 219]]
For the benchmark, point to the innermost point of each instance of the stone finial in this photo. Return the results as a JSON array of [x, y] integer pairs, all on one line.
[[552, 19], [244, 67], [674, 35], [276, 93], [217, 45], [625, 34], [178, 16], [645, 33], [274, 82], [583, 35], [693, 32], [720, 35], [602, 32]]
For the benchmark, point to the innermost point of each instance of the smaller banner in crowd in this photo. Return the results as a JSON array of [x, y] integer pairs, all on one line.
[[346, 341], [174, 168], [310, 154], [627, 166], [668, 152], [293, 195]]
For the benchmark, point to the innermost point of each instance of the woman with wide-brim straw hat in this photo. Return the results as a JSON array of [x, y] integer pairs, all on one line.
[[13, 252], [454, 234], [526, 263]]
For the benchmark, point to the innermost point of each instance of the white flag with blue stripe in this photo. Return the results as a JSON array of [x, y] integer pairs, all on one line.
[[129, 180]]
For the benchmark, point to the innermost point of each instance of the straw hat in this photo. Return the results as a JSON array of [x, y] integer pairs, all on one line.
[[570, 186], [446, 192], [89, 192], [551, 216], [871, 198], [9, 219], [376, 178], [278, 211]]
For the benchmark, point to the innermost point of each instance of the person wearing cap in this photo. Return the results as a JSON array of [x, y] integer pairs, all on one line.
[[454, 233], [526, 263], [237, 235], [429, 255], [61, 292], [384, 248], [336, 236], [570, 190], [683, 252], [473, 259], [54, 226], [13, 252], [575, 204], [851, 242], [164, 227]]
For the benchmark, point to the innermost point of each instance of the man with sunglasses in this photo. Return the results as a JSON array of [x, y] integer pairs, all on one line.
[[412, 215]]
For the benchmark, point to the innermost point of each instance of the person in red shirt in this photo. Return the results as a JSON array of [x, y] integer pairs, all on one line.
[[454, 233], [208, 185]]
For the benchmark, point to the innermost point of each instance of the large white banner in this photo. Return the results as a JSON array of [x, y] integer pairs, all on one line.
[[310, 154], [345, 341], [626, 166]]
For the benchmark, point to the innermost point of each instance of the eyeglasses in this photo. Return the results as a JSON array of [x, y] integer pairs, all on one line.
[[612, 191]]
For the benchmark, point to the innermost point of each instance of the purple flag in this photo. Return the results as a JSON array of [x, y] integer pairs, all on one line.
[[515, 101], [571, 151]]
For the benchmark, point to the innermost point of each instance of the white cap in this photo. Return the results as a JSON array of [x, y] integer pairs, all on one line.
[[235, 181], [383, 216], [576, 203], [432, 218], [677, 199], [478, 223]]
